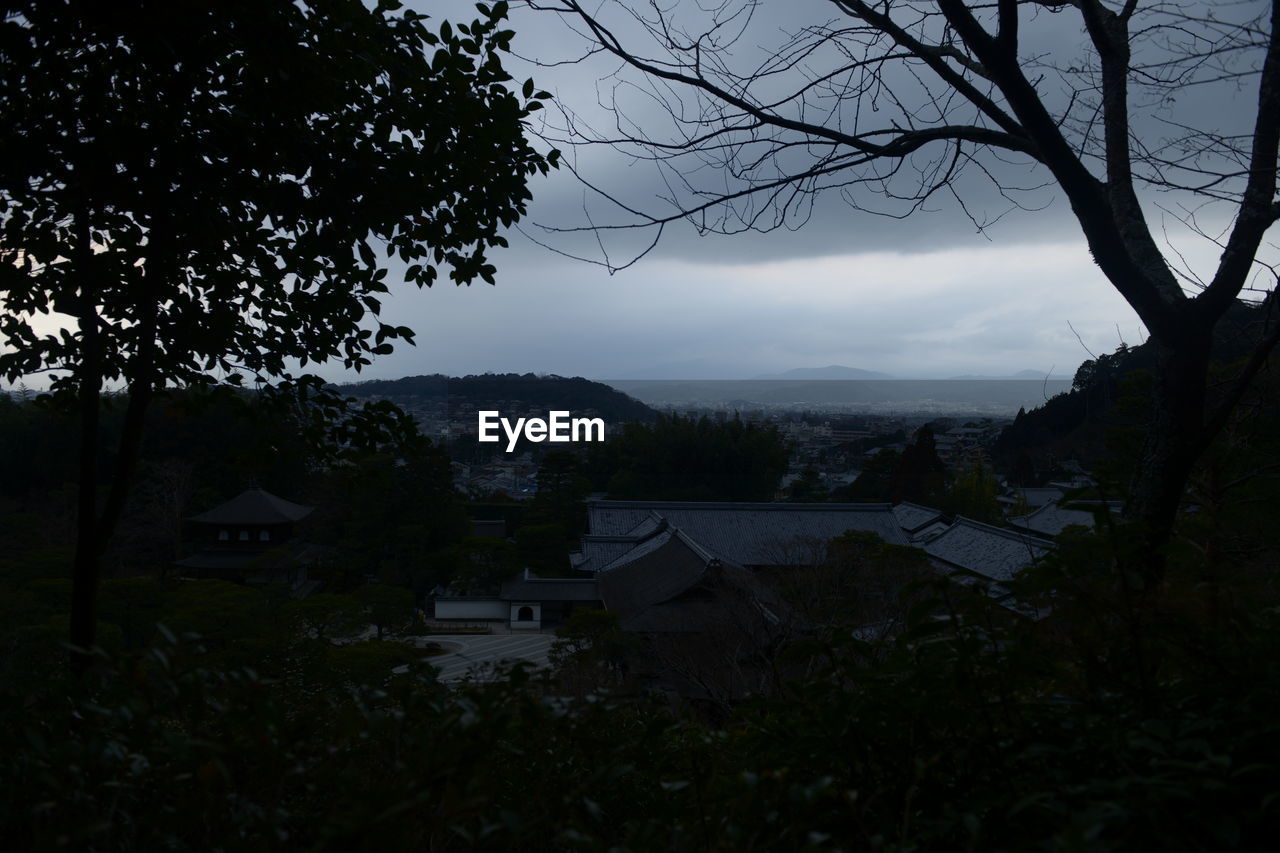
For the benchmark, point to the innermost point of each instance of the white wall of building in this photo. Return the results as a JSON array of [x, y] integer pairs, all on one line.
[[534, 610]]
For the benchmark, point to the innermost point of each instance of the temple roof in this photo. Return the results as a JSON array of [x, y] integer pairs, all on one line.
[[748, 534], [254, 506], [995, 552]]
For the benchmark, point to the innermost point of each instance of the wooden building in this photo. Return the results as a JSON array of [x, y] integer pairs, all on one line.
[[252, 538]]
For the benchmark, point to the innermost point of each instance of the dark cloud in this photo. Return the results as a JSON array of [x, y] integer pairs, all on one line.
[[931, 295], [998, 198]]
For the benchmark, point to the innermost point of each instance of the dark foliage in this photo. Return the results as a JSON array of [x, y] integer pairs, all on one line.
[[204, 190], [680, 458], [387, 511], [921, 476], [915, 714], [1074, 425], [970, 729]]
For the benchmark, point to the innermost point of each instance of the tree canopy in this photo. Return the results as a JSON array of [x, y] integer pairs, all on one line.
[[680, 458], [199, 191], [218, 178]]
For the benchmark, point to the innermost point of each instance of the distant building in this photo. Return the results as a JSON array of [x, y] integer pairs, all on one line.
[[251, 538], [996, 553], [676, 586], [1053, 518], [919, 523], [525, 602], [751, 535]]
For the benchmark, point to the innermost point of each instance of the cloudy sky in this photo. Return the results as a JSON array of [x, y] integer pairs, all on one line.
[[927, 296]]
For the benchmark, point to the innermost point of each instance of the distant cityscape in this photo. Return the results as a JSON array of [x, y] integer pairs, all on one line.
[[889, 397], [830, 426]]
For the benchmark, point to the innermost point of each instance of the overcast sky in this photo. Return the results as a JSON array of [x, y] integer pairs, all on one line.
[[925, 297], [922, 297]]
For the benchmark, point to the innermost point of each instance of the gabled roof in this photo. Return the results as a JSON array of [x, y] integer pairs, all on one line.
[[600, 551], [1052, 519], [913, 517], [749, 534], [1038, 497], [645, 548], [254, 506], [672, 568], [994, 552], [678, 587]]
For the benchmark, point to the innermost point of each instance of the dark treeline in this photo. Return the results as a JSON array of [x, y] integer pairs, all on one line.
[[1094, 715], [380, 507], [1109, 392], [916, 475], [693, 459], [1098, 726], [389, 511], [576, 395]]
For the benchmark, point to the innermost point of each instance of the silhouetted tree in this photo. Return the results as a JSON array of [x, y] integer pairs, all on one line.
[[973, 494], [921, 476], [808, 486], [686, 459], [203, 189], [888, 102], [562, 493], [875, 481]]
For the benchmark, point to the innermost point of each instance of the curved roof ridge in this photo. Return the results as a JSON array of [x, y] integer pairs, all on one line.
[[1007, 532], [254, 506], [640, 550], [698, 548]]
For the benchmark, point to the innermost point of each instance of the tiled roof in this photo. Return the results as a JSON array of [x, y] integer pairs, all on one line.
[[749, 534], [913, 517], [599, 551], [994, 552], [678, 587], [1038, 497], [649, 525], [646, 547], [254, 506], [660, 575], [1052, 519], [617, 518]]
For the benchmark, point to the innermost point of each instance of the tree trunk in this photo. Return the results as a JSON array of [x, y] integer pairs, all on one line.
[[1175, 437], [93, 528], [85, 569]]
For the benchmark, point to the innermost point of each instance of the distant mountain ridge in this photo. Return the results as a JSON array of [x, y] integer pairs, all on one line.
[[1021, 374], [831, 371], [558, 393]]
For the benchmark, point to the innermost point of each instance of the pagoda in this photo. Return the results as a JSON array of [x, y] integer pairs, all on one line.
[[251, 538]]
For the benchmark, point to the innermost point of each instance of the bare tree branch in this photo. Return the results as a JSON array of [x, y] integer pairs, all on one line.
[[890, 104]]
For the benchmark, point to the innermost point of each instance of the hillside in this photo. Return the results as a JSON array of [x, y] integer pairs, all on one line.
[[833, 371], [1076, 423], [575, 395]]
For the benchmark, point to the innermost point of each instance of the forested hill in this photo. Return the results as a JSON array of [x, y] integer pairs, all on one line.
[[1074, 425], [575, 395]]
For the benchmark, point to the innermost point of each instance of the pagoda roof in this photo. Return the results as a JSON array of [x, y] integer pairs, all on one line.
[[254, 506]]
